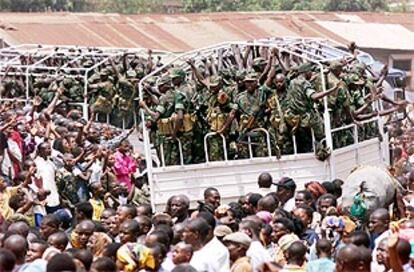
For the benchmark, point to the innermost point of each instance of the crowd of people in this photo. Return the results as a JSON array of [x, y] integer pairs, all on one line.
[[275, 228]]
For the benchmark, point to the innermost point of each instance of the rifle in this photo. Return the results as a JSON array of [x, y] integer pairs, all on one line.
[[250, 122]]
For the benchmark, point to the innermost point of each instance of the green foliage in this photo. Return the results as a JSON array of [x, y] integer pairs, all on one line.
[[142, 6], [44, 5]]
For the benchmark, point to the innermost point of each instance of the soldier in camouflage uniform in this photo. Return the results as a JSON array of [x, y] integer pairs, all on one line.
[[301, 112], [251, 105], [162, 115], [124, 99], [103, 93], [42, 88], [276, 105], [12, 87], [221, 112], [185, 117], [73, 89], [339, 103], [66, 182]]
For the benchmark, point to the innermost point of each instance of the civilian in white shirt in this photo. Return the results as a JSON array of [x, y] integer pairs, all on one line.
[[252, 225], [46, 171], [209, 253], [286, 188]]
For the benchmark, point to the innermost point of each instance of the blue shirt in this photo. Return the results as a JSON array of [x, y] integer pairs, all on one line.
[[323, 264]]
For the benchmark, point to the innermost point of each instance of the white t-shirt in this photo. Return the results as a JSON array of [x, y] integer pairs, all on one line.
[[46, 170], [258, 254], [289, 205], [212, 257]]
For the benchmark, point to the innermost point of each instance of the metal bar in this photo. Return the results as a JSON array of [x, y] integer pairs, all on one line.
[[295, 147], [269, 149], [162, 154], [208, 135], [180, 149], [249, 142]]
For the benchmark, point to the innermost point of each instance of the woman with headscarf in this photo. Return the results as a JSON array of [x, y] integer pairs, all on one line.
[[98, 242]]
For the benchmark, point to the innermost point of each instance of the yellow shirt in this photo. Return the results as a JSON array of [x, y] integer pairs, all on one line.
[[5, 209], [98, 207]]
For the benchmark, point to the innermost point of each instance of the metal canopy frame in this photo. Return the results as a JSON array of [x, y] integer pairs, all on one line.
[[57, 60], [314, 50]]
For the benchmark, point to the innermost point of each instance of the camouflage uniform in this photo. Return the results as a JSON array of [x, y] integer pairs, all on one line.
[[249, 105], [183, 95], [102, 101], [12, 88], [301, 113], [165, 126], [66, 183], [73, 89], [124, 100], [279, 134], [220, 104], [338, 102]]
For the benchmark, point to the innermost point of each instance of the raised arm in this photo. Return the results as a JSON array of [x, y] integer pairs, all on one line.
[[320, 95]]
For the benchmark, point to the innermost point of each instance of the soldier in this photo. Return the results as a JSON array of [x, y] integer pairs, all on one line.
[[73, 89], [185, 117], [338, 102], [11, 86], [103, 93], [162, 115], [251, 105], [301, 112], [276, 105], [220, 115]]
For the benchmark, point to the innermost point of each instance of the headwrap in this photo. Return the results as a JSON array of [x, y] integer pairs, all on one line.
[[265, 216], [315, 188], [101, 241], [134, 256]]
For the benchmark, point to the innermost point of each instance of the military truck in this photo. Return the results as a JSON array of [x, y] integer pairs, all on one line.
[[234, 178]]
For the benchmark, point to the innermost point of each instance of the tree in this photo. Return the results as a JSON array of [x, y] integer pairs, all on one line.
[[346, 5]]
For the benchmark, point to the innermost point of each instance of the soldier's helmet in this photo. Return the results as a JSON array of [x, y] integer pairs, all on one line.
[[104, 72], [131, 74], [67, 82], [252, 76], [88, 63], [335, 65], [177, 72], [355, 79], [239, 75], [140, 72], [306, 67], [163, 80], [360, 67], [259, 61], [215, 81]]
